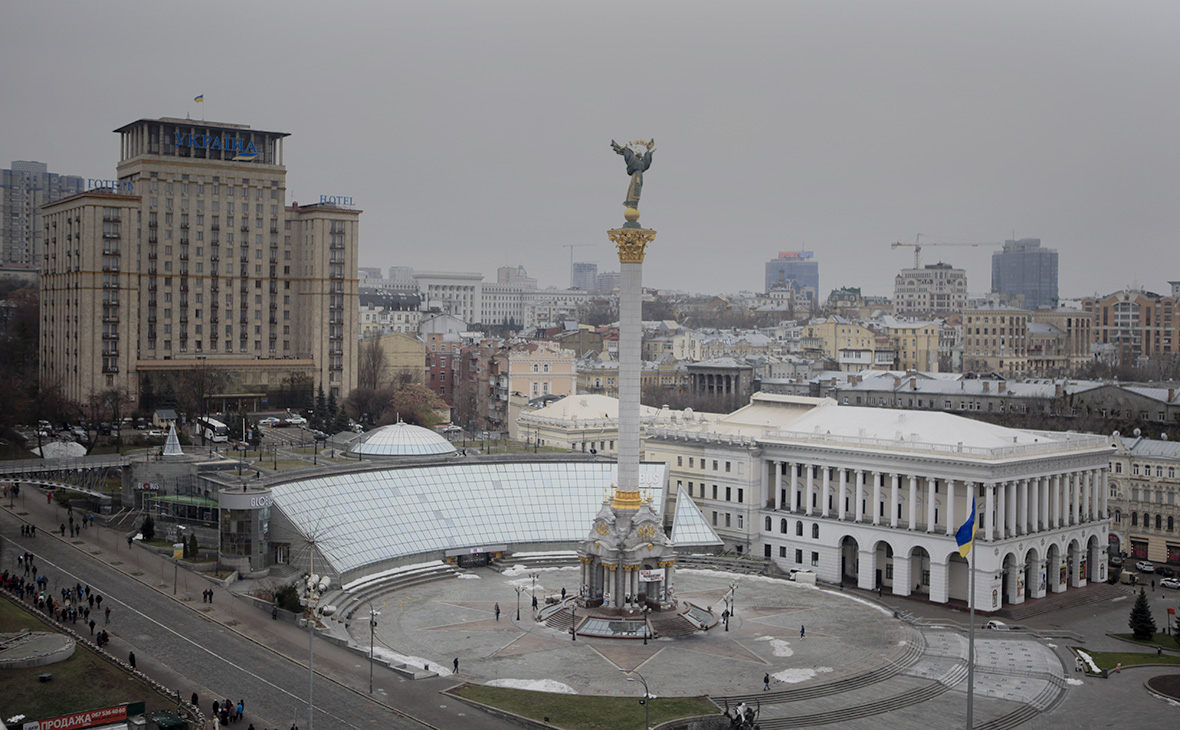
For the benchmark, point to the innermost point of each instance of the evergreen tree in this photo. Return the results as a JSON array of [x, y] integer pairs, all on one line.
[[320, 417], [1142, 623], [333, 407], [148, 529], [339, 422], [192, 548]]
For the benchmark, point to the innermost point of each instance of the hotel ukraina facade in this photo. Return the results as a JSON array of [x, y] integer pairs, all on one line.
[[873, 497], [193, 256]]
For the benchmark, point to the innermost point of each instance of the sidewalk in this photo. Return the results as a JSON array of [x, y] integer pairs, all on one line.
[[417, 700]]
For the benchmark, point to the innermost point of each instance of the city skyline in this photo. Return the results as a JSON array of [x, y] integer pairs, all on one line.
[[482, 136]]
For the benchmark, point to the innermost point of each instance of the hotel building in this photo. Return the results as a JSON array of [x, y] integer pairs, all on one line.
[[192, 258]]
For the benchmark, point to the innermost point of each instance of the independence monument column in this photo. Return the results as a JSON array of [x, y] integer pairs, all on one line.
[[631, 241]]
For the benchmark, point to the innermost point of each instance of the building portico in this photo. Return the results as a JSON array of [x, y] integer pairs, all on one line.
[[843, 501]]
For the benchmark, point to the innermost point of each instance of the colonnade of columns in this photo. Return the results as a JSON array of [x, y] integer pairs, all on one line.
[[598, 579], [936, 504], [714, 383]]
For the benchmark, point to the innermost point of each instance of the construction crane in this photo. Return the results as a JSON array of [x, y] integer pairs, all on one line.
[[918, 244]]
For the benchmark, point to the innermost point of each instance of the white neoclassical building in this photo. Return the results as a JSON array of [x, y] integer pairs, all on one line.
[[874, 497]]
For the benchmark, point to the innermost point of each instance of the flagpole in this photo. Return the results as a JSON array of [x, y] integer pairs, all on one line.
[[971, 643]]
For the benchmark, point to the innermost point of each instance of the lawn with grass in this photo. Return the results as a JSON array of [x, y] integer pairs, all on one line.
[[85, 681], [1160, 639], [578, 712], [1111, 659]]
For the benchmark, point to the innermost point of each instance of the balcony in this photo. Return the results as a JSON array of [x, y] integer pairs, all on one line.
[[215, 227], [152, 286], [245, 259], [110, 368], [153, 238], [110, 234], [214, 257], [110, 285], [111, 252], [184, 226], [214, 319], [184, 256], [153, 224], [110, 319], [245, 228], [110, 336], [152, 255], [336, 246], [214, 287]]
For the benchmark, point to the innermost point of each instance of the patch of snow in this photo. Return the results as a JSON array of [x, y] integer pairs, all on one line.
[[794, 676], [536, 685], [1051, 646], [373, 577], [778, 646], [1073, 681], [514, 570], [386, 655], [467, 576], [1089, 661]]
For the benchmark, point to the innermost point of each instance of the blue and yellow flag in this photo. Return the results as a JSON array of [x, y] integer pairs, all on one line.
[[199, 98], [965, 536]]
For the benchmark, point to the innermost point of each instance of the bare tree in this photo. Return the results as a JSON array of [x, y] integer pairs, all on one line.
[[371, 364], [198, 384]]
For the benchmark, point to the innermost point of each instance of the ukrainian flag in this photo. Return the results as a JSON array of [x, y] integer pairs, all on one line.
[[965, 536], [199, 98]]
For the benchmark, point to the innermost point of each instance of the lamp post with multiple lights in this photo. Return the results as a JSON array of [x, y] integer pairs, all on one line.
[[646, 695]]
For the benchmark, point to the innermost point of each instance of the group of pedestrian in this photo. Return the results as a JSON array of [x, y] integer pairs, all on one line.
[[226, 711], [207, 595], [28, 530]]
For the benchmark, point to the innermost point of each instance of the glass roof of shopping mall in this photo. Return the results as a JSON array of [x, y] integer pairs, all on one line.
[[362, 518], [689, 526]]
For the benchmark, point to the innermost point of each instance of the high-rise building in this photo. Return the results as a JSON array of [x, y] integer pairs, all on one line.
[[935, 290], [1024, 269], [795, 270], [23, 190], [583, 275], [191, 261], [608, 281]]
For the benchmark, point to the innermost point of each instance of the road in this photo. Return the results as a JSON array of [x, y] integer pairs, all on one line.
[[179, 645]]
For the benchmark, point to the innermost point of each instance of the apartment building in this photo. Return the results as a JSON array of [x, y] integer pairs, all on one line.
[[24, 188], [934, 290]]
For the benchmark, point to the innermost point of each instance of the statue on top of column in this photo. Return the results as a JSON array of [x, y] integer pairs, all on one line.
[[636, 165]]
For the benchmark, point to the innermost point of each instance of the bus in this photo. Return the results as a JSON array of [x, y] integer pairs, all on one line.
[[213, 430]]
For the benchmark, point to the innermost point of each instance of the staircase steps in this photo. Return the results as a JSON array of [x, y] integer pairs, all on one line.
[[922, 694]]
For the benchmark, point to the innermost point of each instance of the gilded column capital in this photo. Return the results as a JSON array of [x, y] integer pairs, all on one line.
[[631, 242]]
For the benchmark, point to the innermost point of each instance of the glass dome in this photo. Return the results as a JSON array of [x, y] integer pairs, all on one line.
[[401, 439]]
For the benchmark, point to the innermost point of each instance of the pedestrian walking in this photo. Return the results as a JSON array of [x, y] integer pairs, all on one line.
[[241, 708], [766, 682], [108, 614], [196, 700], [274, 613], [92, 633], [497, 609], [456, 665], [802, 632], [1153, 585], [131, 659], [63, 529], [563, 593], [216, 708]]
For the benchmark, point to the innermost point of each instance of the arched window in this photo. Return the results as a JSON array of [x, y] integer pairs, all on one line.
[[1134, 519], [799, 529], [1146, 521], [1171, 523], [769, 522], [1118, 516], [1158, 522], [815, 531], [783, 527]]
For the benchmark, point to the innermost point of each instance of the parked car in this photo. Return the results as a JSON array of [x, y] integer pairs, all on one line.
[[269, 422], [1165, 571], [297, 420], [1116, 560], [997, 626], [1170, 583], [155, 433], [319, 435], [1144, 566]]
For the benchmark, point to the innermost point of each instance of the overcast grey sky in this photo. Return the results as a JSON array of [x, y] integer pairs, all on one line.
[[475, 134]]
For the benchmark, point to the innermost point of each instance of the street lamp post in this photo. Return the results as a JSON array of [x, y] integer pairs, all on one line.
[[519, 590], [574, 621], [646, 609], [372, 629], [646, 696]]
